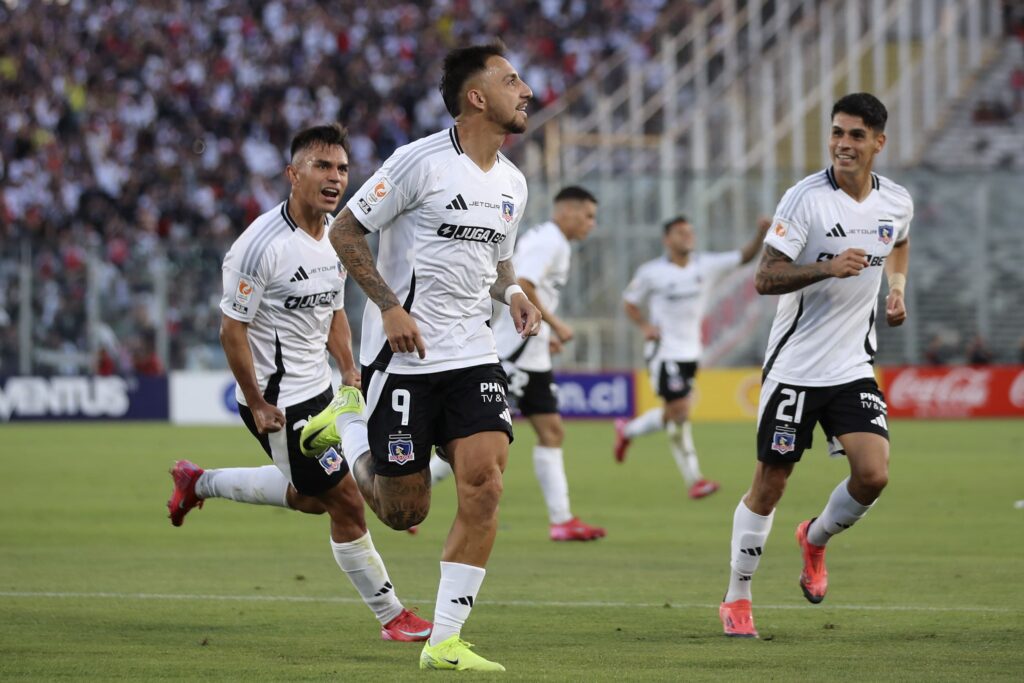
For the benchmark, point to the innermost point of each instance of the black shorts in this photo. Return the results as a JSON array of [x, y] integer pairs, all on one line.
[[309, 476], [674, 378], [408, 414], [533, 393], [787, 415]]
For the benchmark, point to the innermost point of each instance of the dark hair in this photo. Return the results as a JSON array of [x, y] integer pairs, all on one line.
[[574, 192], [672, 221], [864, 105], [327, 135], [459, 65]]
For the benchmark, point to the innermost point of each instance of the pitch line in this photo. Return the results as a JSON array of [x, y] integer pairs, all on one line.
[[505, 603]]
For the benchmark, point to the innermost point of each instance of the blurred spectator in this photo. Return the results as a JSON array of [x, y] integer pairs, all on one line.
[[976, 352], [937, 352]]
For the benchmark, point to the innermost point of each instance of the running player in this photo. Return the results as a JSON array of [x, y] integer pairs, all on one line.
[[674, 289], [447, 208], [832, 234], [542, 261], [282, 307]]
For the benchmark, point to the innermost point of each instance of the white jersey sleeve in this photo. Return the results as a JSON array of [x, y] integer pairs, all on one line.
[[640, 287], [790, 226], [396, 188], [243, 291], [717, 264]]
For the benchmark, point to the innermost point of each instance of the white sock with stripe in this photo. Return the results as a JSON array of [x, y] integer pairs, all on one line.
[[255, 485], [749, 534], [460, 584], [365, 569], [439, 470], [549, 467], [647, 423], [840, 513]]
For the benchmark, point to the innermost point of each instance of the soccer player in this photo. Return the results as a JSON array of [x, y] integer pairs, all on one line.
[[447, 208], [674, 289], [282, 315], [541, 261], [832, 235]]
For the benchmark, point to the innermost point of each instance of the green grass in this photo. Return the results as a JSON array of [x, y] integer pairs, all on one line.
[[96, 584]]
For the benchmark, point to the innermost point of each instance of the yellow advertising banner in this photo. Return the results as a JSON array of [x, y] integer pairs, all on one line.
[[720, 395]]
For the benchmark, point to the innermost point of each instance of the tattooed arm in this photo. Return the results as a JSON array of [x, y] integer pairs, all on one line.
[[506, 278], [349, 239], [777, 274]]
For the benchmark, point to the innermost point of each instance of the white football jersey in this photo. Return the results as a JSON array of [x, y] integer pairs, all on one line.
[[675, 297], [824, 334], [444, 225], [286, 286], [542, 256]]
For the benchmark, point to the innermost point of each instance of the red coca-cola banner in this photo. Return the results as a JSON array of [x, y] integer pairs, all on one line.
[[951, 392]]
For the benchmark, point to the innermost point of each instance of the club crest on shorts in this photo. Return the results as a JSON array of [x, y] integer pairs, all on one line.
[[784, 442], [330, 460], [885, 233], [400, 449]]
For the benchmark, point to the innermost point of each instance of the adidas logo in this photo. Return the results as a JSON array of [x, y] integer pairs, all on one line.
[[300, 275], [385, 590], [467, 601], [753, 552], [836, 232], [458, 203], [880, 421], [506, 416]]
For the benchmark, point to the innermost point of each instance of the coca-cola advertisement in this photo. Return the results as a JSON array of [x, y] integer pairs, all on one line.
[[955, 392]]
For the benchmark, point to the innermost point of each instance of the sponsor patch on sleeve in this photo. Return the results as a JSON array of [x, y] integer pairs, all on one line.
[[380, 189]]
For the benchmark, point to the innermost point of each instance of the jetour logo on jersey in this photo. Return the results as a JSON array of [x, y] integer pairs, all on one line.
[[310, 300], [471, 233]]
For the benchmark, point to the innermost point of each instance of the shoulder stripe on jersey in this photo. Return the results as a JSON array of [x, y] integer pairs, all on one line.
[[785, 338], [287, 218], [273, 390], [799, 190], [867, 339], [414, 157], [383, 358], [259, 245], [453, 133], [830, 174]]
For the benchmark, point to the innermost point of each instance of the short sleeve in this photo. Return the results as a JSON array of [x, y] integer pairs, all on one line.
[[508, 247], [339, 301], [638, 289], [717, 264], [534, 258], [788, 233], [243, 291], [903, 228], [392, 190]]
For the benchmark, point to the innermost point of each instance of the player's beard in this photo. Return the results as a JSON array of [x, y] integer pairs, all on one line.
[[514, 126]]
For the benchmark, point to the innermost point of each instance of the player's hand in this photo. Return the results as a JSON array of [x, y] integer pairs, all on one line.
[[554, 346], [525, 315], [895, 308], [563, 331], [849, 263], [352, 378], [268, 418], [402, 332], [651, 332], [763, 223]]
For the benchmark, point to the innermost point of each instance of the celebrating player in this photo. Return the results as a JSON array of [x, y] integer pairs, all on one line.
[[832, 234], [282, 314], [674, 288], [447, 208]]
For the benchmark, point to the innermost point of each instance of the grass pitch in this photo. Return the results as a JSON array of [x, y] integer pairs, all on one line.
[[95, 584]]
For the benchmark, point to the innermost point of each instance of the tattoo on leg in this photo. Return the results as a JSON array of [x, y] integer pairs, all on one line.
[[404, 501]]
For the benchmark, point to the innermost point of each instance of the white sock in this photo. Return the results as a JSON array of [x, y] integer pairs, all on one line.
[[550, 470], [365, 569], [686, 458], [256, 485], [354, 442], [840, 513], [456, 594], [439, 470], [749, 534], [651, 421]]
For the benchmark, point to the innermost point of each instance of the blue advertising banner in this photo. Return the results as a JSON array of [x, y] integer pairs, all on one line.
[[83, 398], [595, 395]]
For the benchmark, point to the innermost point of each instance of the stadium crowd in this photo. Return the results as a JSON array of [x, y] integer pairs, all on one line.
[[140, 130]]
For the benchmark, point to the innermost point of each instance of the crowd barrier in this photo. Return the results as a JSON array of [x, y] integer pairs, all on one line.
[[720, 395]]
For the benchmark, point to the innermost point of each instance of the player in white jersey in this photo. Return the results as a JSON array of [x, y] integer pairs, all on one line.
[[832, 235], [542, 260], [282, 314], [674, 289], [447, 208]]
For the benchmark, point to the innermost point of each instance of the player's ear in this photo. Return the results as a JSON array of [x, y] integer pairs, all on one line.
[[879, 142]]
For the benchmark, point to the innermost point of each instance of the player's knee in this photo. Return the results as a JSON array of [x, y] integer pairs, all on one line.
[[874, 481], [552, 436], [481, 491]]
